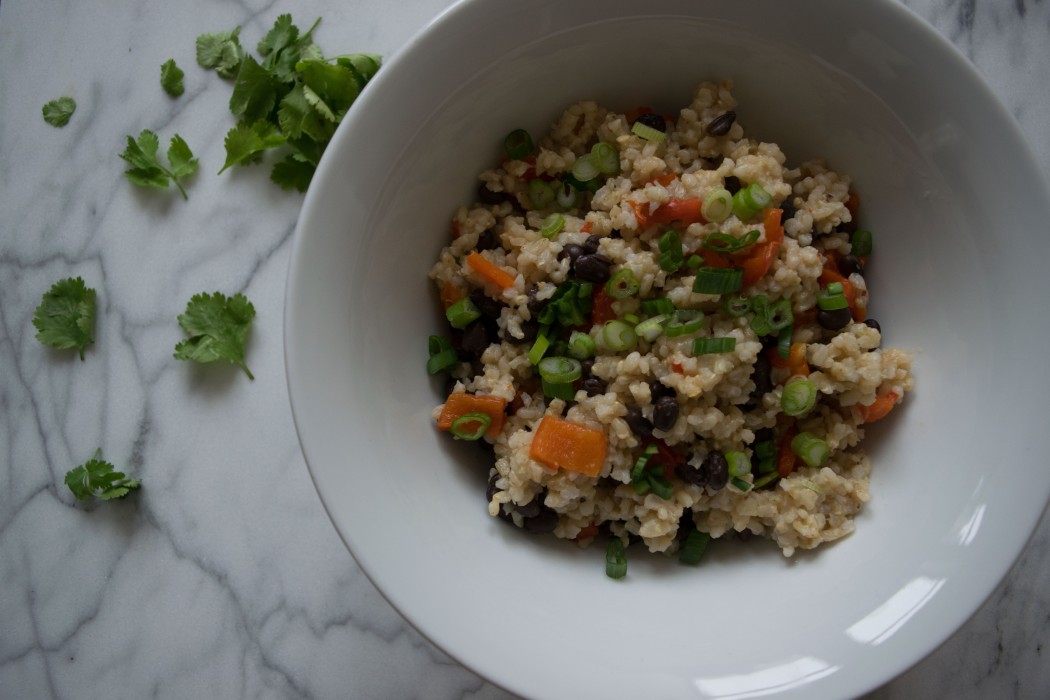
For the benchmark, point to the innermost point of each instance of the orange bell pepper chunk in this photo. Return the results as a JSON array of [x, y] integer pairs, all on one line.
[[560, 444], [460, 404], [762, 256], [491, 272], [686, 210], [879, 408]]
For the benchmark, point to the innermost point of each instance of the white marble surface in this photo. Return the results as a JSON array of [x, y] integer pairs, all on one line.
[[223, 577]]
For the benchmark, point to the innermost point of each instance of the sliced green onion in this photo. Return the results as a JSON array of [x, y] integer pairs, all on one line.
[[717, 206], [585, 168], [694, 262], [739, 463], [651, 328], [770, 318], [560, 370], [569, 305], [438, 343], [765, 449], [718, 280], [710, 346], [615, 559], [638, 472], [799, 396], [834, 288], [539, 348], [750, 200], [632, 319], [441, 361], [647, 132], [860, 243], [618, 336], [558, 390], [581, 345], [567, 195], [831, 302], [810, 449], [661, 486], [766, 465], [642, 486], [581, 186], [552, 225], [541, 194], [518, 144], [780, 315], [693, 547], [661, 305], [684, 322], [725, 243], [784, 343], [606, 157], [622, 284], [671, 255], [470, 426], [766, 478], [462, 313], [736, 306], [740, 483]]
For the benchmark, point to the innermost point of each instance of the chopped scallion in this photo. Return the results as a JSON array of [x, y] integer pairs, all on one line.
[[647, 132], [558, 390], [462, 313], [860, 243], [618, 336], [725, 243], [560, 370], [640, 464], [661, 486], [661, 305], [622, 284], [581, 345], [585, 168], [615, 559], [717, 206], [442, 360], [470, 426], [567, 195], [552, 225], [831, 302], [766, 478], [671, 255], [541, 194], [651, 328], [750, 200], [784, 343], [694, 262], [736, 306], [710, 346], [693, 547], [518, 144], [606, 157], [799, 396], [539, 348], [718, 280], [739, 463], [810, 449], [740, 483], [684, 322]]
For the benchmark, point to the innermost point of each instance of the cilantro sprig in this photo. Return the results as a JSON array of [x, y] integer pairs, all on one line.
[[146, 169], [171, 78], [97, 477], [58, 112], [218, 327], [65, 318], [293, 98]]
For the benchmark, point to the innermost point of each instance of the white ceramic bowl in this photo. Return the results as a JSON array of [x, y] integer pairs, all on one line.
[[959, 481]]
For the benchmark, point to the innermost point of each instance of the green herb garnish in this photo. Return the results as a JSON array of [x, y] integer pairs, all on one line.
[[218, 327], [100, 479], [146, 170], [171, 78], [57, 112], [65, 318]]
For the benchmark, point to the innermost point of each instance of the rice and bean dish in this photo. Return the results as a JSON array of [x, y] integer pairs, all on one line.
[[660, 329]]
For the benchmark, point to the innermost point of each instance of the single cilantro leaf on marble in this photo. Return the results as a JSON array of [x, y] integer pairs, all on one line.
[[100, 479], [65, 318], [221, 51], [246, 142], [57, 112], [218, 327], [146, 169], [171, 78]]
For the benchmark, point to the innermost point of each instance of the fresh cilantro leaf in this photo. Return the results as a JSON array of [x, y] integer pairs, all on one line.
[[297, 118], [364, 65], [335, 87], [245, 142], [254, 92], [282, 35], [287, 47], [57, 112], [65, 318], [217, 327], [221, 51], [292, 173], [100, 479], [171, 78], [146, 170]]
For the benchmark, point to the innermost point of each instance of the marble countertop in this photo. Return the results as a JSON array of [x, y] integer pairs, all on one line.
[[222, 577]]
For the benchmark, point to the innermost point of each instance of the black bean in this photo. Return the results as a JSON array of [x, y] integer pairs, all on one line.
[[591, 244], [545, 521], [594, 267], [744, 535], [638, 423], [504, 513], [834, 320], [487, 196], [593, 386], [529, 329], [572, 252], [760, 375], [850, 264], [475, 339], [658, 389], [788, 208], [715, 470], [487, 240], [690, 474], [535, 305], [586, 366], [665, 413], [489, 307], [532, 508], [872, 323], [720, 125], [732, 183], [653, 121]]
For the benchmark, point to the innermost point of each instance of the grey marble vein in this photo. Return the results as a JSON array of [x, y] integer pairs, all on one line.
[[223, 578]]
